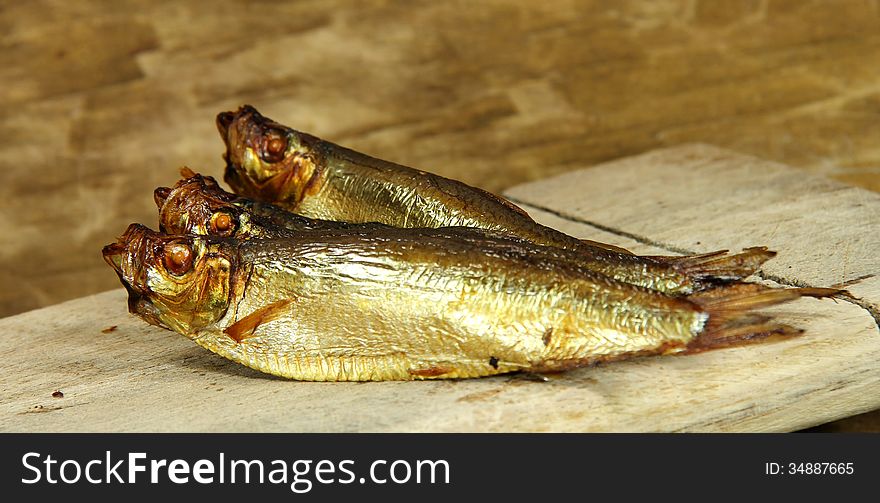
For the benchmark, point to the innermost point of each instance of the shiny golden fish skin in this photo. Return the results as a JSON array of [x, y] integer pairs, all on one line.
[[315, 178], [400, 304], [198, 205]]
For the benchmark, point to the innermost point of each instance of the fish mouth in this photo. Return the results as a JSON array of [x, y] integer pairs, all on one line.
[[128, 255], [113, 255], [242, 129], [224, 121], [160, 195], [228, 122], [117, 254], [229, 125]]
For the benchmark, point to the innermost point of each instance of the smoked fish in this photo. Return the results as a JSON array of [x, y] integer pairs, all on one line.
[[198, 205], [314, 178], [401, 304]]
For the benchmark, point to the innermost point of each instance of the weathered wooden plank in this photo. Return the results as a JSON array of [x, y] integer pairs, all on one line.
[[140, 378]]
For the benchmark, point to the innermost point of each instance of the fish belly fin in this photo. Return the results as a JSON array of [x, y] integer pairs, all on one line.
[[732, 319], [719, 266], [245, 327]]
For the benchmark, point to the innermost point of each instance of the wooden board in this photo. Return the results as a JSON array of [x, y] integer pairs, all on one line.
[[693, 198]]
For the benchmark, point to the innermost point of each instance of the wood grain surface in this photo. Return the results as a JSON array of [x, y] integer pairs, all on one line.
[[118, 374], [102, 101]]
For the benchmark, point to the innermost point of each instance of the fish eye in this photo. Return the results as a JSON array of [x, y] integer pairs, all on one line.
[[222, 224], [274, 145], [178, 258]]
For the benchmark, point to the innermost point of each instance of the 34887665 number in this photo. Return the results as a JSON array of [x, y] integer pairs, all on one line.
[[820, 468]]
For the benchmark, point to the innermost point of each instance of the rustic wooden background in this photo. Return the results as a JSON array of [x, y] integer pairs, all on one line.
[[103, 101]]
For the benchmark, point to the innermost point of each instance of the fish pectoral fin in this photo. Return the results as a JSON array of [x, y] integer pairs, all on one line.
[[245, 327]]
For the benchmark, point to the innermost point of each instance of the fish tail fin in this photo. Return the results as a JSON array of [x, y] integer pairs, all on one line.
[[731, 316], [719, 266]]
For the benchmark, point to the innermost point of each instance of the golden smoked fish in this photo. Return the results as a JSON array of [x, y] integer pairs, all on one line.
[[197, 205], [400, 304], [318, 179]]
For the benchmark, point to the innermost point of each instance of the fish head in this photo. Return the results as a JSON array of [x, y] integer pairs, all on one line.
[[266, 160], [178, 282], [198, 205]]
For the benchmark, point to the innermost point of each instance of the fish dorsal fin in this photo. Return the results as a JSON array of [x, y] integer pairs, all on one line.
[[245, 327]]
